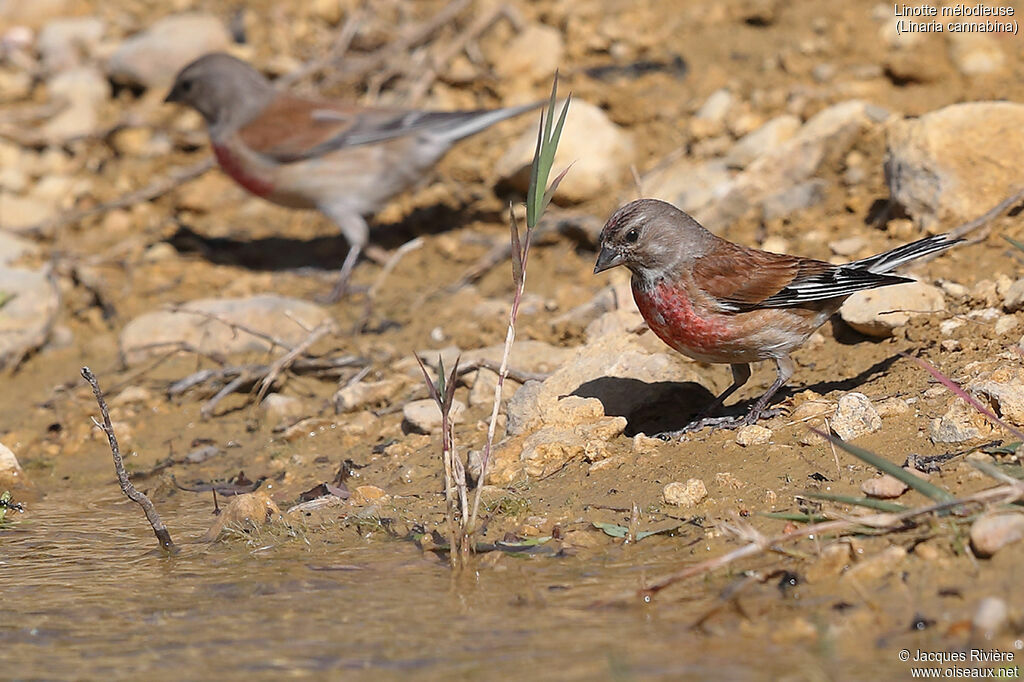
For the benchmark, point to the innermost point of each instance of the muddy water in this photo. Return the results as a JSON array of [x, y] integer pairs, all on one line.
[[86, 596]]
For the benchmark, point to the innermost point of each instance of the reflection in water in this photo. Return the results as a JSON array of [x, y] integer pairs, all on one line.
[[86, 595]]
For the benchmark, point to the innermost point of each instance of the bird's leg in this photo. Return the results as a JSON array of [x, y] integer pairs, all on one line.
[[740, 376], [786, 369], [341, 286]]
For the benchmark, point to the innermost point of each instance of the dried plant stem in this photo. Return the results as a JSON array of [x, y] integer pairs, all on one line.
[[758, 544], [133, 494], [510, 337]]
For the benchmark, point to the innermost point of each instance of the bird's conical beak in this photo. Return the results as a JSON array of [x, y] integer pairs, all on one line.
[[607, 259], [173, 95]]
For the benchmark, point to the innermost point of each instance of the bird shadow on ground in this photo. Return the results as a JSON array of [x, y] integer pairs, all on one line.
[[282, 253], [665, 406]]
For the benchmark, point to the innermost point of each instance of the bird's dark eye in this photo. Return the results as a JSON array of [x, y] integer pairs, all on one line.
[[632, 236], [186, 86]]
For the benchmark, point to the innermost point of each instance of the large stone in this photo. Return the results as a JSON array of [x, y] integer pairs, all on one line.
[[153, 57], [63, 43], [424, 416], [956, 163], [755, 144], [28, 304], [854, 416], [526, 356], [11, 475], [831, 131], [84, 89], [690, 185], [877, 312], [615, 373], [532, 56], [221, 326], [600, 153]]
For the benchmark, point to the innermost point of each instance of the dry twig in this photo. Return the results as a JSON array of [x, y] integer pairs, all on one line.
[[133, 494]]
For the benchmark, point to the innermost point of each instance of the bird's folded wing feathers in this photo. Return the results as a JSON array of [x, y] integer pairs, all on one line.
[[743, 279], [294, 128]]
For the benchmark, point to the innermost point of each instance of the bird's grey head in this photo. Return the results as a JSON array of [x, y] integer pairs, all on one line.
[[650, 237], [225, 90]]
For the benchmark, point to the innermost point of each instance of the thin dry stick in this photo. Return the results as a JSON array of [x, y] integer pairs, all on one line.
[[999, 495], [289, 358], [401, 47], [338, 49], [425, 80], [151, 191], [133, 494], [519, 268]]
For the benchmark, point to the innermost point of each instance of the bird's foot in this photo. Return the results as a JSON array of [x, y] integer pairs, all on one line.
[[727, 423], [340, 291]]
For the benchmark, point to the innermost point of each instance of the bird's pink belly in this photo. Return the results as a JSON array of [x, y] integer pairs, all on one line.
[[671, 316], [234, 167]]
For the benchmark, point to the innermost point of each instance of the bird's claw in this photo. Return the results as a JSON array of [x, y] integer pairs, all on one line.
[[727, 423]]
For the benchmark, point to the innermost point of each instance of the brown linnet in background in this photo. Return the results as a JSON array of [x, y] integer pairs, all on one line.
[[344, 160]]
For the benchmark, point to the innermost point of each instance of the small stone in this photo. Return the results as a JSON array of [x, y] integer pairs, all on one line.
[[884, 487], [248, 511], [282, 409], [947, 327], [755, 434], [959, 424], [991, 618], [954, 289], [367, 494], [601, 153], [645, 445], [367, 394], [724, 479], [868, 312], [775, 244], [892, 406], [132, 395], [854, 416], [1005, 324], [976, 54], [848, 247], [876, 566], [992, 532], [11, 474], [835, 557], [716, 107], [424, 416], [1013, 300], [532, 56], [160, 252], [687, 494], [793, 199]]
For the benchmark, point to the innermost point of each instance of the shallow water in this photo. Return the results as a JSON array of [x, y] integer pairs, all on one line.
[[87, 596]]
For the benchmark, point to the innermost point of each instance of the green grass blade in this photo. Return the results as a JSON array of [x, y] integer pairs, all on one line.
[[1014, 242], [922, 486], [793, 516], [870, 503]]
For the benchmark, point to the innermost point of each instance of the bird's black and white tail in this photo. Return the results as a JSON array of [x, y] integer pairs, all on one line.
[[849, 278], [901, 255]]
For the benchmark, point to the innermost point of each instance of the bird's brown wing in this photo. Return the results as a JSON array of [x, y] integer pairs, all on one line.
[[295, 128], [740, 278]]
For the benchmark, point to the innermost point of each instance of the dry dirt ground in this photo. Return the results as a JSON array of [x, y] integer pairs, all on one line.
[[206, 238]]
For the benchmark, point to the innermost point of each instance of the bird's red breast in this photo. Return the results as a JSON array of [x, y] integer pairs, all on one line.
[[235, 167], [672, 316]]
